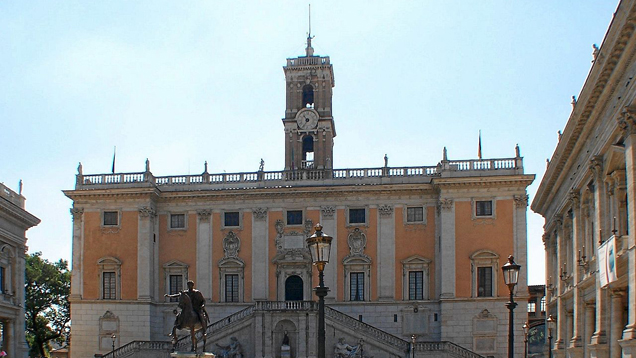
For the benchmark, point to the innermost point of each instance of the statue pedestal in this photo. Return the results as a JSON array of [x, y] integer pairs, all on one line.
[[285, 351], [192, 355]]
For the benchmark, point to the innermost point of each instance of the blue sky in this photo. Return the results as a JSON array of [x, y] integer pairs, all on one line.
[[185, 82]]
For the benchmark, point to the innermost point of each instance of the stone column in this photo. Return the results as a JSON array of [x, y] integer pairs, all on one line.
[[446, 212], [77, 286], [204, 253], [616, 326], [576, 343], [260, 255], [386, 253], [328, 219], [598, 342], [145, 253], [590, 312], [628, 123]]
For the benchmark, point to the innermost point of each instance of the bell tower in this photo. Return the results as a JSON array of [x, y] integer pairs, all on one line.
[[308, 121]]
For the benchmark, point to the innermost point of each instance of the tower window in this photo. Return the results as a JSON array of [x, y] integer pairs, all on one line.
[[308, 96], [308, 152]]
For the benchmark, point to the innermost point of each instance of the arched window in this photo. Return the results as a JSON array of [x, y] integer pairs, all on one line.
[[308, 96], [308, 152]]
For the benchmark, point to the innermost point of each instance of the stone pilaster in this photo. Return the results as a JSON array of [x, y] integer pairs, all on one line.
[[520, 239], [145, 253], [561, 339], [386, 253], [577, 340], [204, 253], [77, 286], [598, 342], [260, 255], [628, 123], [20, 336], [446, 212], [328, 219]]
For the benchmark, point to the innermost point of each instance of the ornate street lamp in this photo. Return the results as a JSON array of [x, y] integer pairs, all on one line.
[[511, 277], [320, 247], [550, 322], [525, 339], [113, 337]]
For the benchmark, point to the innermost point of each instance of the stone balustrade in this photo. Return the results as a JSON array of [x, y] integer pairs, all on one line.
[[11, 196], [291, 178]]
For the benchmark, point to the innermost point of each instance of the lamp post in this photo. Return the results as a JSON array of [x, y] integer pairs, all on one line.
[[320, 246], [113, 337], [550, 321], [525, 339], [511, 277]]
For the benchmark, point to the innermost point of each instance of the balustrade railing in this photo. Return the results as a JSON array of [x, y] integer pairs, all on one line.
[[285, 306], [359, 326], [136, 346], [11, 196], [445, 346], [289, 177]]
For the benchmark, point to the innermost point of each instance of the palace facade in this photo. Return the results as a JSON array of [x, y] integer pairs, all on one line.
[[415, 263], [587, 198], [14, 222]]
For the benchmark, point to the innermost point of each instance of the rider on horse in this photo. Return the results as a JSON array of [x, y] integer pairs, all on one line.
[[198, 304]]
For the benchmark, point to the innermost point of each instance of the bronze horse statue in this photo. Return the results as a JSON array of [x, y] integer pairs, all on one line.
[[189, 319]]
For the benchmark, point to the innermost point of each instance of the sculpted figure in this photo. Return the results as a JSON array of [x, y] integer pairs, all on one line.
[[233, 350], [193, 315]]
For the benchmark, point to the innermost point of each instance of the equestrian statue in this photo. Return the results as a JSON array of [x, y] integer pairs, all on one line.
[[193, 315]]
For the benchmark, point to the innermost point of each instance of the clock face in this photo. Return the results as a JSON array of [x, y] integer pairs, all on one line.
[[307, 119]]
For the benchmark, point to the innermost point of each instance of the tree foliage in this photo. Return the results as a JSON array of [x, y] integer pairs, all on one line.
[[47, 286]]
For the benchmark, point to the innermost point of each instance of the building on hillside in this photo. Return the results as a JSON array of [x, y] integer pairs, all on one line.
[[417, 251], [587, 199], [14, 222]]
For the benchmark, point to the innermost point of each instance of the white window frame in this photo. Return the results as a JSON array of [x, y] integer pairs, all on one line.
[[240, 217], [109, 264], [484, 258], [357, 264], [366, 216], [406, 215], [171, 268], [228, 266], [302, 221], [102, 217], [416, 263], [474, 208], [185, 221]]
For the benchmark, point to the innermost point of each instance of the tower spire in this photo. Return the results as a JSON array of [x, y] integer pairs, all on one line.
[[309, 51]]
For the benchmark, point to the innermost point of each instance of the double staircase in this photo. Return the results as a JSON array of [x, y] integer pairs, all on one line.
[[377, 343]]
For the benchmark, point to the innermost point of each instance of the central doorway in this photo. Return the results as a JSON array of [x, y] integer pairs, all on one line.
[[294, 288]]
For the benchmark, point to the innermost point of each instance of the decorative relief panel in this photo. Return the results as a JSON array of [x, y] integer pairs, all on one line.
[[231, 245], [328, 211], [357, 241], [444, 205]]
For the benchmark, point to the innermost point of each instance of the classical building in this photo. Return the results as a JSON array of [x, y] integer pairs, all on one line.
[[14, 222], [415, 263], [587, 198]]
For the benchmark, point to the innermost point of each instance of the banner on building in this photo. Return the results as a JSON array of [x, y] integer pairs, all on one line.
[[607, 262]]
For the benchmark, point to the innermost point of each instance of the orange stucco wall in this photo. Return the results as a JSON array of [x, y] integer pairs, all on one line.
[[414, 239], [119, 243], [481, 234], [178, 245]]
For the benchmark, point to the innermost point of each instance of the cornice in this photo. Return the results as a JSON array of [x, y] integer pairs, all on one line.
[[596, 86], [499, 181], [114, 193], [18, 215]]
